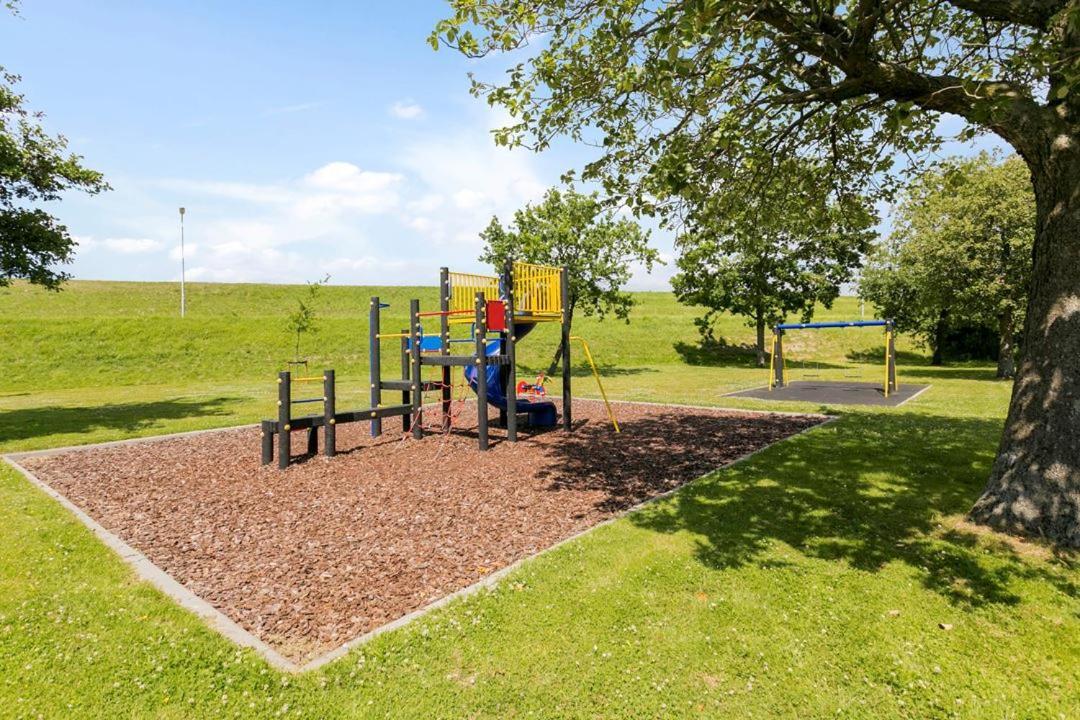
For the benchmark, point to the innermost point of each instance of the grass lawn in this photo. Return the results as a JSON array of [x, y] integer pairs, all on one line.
[[831, 575]]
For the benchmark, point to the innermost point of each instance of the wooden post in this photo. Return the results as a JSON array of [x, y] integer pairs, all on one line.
[[416, 373], [284, 419], [267, 436], [375, 364], [564, 282], [481, 371], [405, 397], [329, 413], [510, 350], [444, 344]]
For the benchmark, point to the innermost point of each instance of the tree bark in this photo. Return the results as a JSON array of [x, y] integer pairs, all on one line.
[[557, 358], [1006, 365], [760, 324], [937, 358], [1034, 487]]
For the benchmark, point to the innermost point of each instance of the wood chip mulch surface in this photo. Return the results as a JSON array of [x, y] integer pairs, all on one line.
[[311, 557]]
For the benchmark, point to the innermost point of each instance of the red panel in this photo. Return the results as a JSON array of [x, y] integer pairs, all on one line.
[[496, 315]]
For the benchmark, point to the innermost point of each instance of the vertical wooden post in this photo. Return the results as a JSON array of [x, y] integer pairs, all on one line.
[[481, 371], [405, 397], [564, 291], [329, 413], [375, 364], [416, 373], [510, 350], [444, 343], [284, 419], [267, 436]]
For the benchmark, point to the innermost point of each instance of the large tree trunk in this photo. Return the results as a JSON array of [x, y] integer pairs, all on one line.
[[1006, 366], [937, 358], [1034, 486], [760, 325], [557, 358]]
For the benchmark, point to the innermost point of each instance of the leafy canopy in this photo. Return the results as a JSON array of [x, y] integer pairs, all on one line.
[[773, 255], [960, 249], [35, 168], [572, 230], [682, 97]]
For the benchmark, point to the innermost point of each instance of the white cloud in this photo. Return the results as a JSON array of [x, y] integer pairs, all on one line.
[[406, 110], [131, 246]]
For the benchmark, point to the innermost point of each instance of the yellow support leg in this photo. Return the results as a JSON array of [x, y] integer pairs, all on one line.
[[596, 374], [888, 337]]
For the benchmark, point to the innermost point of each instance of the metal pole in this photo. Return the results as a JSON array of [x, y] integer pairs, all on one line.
[[481, 371], [510, 350], [284, 417], [183, 269], [375, 363], [564, 291], [329, 413], [417, 372], [444, 344]]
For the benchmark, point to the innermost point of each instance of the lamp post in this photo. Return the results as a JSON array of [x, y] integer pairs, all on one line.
[[183, 302]]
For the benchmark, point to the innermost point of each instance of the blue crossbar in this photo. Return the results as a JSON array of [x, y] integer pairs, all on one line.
[[817, 325]]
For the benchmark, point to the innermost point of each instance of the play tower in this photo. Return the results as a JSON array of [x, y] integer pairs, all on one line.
[[497, 310]]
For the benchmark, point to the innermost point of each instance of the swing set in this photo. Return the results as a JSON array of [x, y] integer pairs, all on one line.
[[777, 368]]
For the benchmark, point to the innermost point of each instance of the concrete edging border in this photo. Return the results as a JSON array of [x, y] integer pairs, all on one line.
[[219, 621]]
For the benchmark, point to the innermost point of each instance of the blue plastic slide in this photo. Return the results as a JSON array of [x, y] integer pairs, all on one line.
[[541, 413]]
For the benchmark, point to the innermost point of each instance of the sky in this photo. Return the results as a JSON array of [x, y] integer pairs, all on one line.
[[301, 142]]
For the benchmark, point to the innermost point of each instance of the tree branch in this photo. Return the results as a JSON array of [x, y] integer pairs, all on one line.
[[1032, 13]]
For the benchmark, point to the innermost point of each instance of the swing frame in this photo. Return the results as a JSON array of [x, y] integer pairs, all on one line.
[[776, 357]]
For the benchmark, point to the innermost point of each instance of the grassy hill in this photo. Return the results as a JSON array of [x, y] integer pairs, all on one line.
[[831, 575], [102, 357]]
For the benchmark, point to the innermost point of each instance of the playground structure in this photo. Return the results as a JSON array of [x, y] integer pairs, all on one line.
[[776, 363], [500, 311]]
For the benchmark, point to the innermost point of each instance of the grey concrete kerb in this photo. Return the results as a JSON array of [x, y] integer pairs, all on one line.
[[148, 571]]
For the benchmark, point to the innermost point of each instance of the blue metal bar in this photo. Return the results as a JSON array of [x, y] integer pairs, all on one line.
[[817, 325]]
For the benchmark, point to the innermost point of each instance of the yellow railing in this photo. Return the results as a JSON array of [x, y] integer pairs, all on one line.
[[538, 290], [463, 289]]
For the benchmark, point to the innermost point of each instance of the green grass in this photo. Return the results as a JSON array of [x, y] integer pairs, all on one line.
[[829, 576]]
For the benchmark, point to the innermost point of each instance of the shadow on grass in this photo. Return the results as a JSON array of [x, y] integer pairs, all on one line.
[[877, 355], [527, 372], [947, 372], [720, 353], [28, 423], [868, 491]]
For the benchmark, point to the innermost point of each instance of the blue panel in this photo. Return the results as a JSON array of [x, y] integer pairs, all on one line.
[[817, 325]]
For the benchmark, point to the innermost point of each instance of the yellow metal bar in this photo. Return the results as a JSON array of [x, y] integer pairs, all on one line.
[[596, 374], [380, 336], [313, 378], [772, 362], [888, 337]]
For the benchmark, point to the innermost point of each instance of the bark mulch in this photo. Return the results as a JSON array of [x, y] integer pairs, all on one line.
[[308, 558]]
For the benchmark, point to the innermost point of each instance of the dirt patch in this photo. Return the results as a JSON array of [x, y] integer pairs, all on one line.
[[308, 558]]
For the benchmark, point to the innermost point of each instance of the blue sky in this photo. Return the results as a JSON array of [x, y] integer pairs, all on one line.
[[302, 141]]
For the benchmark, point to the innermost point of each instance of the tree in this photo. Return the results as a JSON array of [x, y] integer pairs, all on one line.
[[777, 254], [572, 230], [960, 254], [302, 321], [34, 169], [674, 91]]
